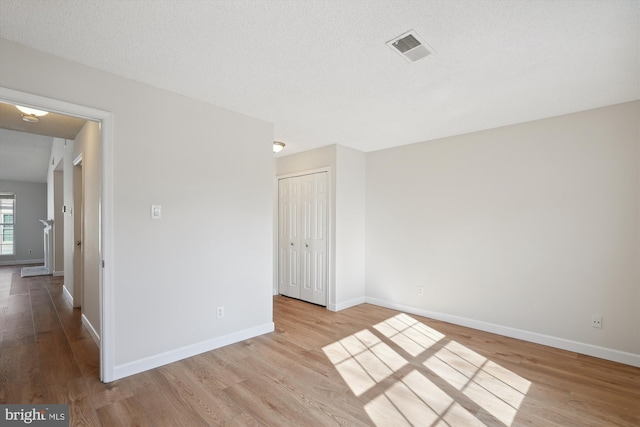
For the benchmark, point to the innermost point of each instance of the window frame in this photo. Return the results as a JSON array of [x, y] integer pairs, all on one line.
[[12, 224]]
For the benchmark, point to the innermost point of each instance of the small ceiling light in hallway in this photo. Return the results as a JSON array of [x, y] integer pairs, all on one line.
[[278, 146], [31, 114]]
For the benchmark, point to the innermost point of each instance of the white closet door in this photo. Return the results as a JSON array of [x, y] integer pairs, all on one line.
[[289, 237], [313, 238], [303, 238]]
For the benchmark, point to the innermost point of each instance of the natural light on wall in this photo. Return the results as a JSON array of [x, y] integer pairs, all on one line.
[[384, 366]]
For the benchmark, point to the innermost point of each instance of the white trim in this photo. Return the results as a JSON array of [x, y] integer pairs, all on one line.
[[58, 273], [276, 237], [347, 304], [534, 337], [77, 160], [107, 357], [106, 211], [171, 356], [52, 105], [91, 330], [303, 173], [22, 261], [67, 294]]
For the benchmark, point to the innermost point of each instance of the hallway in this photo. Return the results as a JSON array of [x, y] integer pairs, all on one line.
[[46, 355]]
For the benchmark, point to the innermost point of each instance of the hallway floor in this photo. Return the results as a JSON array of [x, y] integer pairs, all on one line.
[[46, 355]]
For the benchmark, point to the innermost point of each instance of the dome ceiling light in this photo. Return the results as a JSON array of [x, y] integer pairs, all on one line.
[[278, 146], [31, 114]]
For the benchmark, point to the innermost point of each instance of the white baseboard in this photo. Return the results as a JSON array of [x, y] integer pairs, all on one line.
[[171, 356], [58, 273], [91, 330], [346, 304], [561, 343], [22, 262], [67, 294]]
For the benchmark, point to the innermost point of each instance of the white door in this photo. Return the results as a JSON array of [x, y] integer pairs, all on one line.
[[288, 237], [303, 237]]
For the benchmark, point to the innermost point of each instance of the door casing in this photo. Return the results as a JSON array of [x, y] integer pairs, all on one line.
[[78, 232], [105, 118]]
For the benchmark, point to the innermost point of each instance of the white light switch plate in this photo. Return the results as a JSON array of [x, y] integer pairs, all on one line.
[[156, 211]]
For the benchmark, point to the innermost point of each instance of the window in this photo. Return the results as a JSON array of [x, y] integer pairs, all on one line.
[[7, 222]]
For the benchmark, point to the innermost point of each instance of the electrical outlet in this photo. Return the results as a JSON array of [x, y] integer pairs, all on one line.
[[420, 290], [220, 312], [596, 321]]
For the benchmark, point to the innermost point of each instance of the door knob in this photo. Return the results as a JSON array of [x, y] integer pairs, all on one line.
[[78, 243]]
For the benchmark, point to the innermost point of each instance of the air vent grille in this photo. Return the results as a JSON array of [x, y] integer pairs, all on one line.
[[410, 47], [406, 43]]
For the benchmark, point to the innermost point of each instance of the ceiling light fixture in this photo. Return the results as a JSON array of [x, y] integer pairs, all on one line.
[[30, 118], [32, 111], [278, 146], [31, 114]]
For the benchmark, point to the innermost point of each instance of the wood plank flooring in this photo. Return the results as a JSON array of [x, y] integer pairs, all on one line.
[[364, 366]]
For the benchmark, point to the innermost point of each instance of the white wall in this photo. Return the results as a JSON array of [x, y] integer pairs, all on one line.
[[58, 223], [31, 207], [55, 202], [211, 170], [350, 227], [87, 144], [62, 155], [533, 227]]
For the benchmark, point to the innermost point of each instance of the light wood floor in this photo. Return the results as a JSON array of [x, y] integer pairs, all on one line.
[[363, 366]]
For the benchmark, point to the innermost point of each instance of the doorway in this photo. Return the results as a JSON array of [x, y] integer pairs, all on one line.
[[105, 199], [303, 237]]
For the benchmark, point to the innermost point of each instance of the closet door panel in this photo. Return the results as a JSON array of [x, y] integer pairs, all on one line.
[[302, 230], [288, 237]]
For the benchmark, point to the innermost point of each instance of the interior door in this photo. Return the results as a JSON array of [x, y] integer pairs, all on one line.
[[313, 249], [288, 237], [303, 237]]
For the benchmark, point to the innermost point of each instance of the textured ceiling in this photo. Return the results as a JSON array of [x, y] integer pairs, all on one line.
[[321, 72]]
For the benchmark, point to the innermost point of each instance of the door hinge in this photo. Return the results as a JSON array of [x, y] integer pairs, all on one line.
[[102, 263]]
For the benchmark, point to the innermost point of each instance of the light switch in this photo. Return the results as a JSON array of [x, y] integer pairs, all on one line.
[[156, 211]]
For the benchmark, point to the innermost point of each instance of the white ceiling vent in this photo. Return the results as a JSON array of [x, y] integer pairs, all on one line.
[[410, 46]]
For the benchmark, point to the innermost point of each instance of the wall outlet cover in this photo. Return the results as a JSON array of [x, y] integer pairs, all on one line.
[[596, 321]]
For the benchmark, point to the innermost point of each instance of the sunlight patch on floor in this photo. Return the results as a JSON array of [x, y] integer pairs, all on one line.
[[414, 337], [402, 395], [363, 360], [494, 388]]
